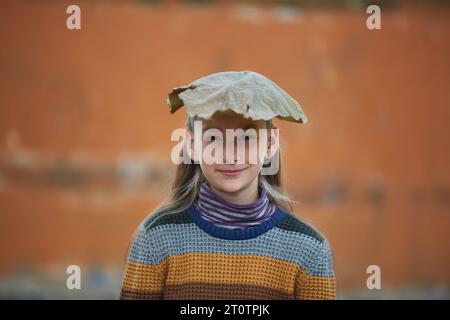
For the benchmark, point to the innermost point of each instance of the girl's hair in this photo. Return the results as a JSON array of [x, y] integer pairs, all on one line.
[[189, 177]]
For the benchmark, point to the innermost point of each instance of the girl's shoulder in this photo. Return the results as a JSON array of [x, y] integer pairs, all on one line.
[[144, 239], [160, 218], [293, 223]]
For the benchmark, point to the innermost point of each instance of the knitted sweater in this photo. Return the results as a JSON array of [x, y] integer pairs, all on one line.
[[184, 256]]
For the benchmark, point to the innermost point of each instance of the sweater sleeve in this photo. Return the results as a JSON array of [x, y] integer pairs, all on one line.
[[145, 269], [319, 282]]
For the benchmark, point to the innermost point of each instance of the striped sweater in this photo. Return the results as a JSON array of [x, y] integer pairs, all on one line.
[[184, 256]]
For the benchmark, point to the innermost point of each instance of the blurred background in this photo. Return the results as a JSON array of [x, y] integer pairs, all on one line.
[[85, 131]]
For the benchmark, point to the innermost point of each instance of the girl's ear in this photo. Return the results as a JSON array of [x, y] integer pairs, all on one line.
[[273, 142]]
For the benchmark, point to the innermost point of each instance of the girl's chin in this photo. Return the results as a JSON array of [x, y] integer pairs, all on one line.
[[229, 186]]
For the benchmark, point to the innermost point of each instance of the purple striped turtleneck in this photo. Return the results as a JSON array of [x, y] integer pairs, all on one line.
[[226, 214]]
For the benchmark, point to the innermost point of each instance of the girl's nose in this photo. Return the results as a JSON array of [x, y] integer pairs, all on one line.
[[229, 154], [234, 153]]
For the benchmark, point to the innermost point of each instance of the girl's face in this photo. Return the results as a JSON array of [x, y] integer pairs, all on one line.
[[238, 176]]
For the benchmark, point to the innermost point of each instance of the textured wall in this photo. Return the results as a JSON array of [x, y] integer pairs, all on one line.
[[85, 130]]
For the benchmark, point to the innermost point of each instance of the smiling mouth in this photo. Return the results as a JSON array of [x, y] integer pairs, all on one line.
[[232, 173]]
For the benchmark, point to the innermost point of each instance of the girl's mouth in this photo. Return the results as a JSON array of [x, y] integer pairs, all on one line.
[[231, 172]]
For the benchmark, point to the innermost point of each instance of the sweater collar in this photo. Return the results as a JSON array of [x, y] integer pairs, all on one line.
[[235, 234], [226, 214]]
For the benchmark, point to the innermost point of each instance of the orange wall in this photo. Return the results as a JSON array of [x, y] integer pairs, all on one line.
[[85, 131]]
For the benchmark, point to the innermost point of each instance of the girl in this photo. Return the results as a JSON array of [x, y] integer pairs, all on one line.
[[228, 230]]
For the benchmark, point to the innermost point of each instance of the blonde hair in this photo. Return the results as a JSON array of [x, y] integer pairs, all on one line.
[[189, 177]]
